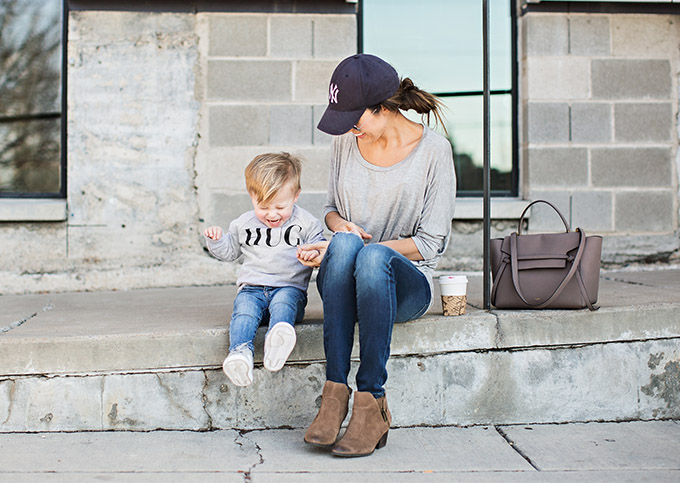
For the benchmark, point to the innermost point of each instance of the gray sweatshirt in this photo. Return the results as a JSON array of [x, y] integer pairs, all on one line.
[[269, 253], [413, 198]]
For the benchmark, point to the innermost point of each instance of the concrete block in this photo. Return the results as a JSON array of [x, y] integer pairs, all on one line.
[[335, 36], [643, 122], [548, 122], [291, 36], [563, 167], [646, 248], [616, 167], [225, 207], [297, 391], [592, 211], [311, 81], [290, 125], [558, 78], [320, 138], [239, 125], [222, 168], [589, 35], [645, 36], [106, 26], [631, 79], [168, 400], [313, 202], [315, 162], [249, 80], [543, 218], [50, 404], [546, 35], [591, 123], [238, 35], [34, 247], [644, 211]]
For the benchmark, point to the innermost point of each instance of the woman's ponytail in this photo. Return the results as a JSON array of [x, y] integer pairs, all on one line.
[[408, 96]]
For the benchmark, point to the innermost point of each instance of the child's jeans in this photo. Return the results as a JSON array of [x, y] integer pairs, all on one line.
[[255, 304]]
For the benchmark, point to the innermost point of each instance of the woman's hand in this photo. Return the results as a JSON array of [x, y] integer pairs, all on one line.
[[336, 223], [311, 255], [348, 226]]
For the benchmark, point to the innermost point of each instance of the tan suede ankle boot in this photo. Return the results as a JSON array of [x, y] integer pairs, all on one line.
[[334, 406], [368, 427]]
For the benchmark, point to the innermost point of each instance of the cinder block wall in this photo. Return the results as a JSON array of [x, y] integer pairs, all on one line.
[[264, 87], [599, 104]]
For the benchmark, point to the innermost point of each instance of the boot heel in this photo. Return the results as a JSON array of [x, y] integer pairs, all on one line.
[[382, 442]]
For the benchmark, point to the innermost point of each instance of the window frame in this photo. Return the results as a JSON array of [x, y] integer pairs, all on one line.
[[513, 91], [62, 116]]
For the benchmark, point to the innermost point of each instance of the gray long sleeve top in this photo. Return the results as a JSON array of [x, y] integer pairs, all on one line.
[[269, 254], [414, 198]]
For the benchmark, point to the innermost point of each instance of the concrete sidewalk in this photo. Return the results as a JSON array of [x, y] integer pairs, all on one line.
[[592, 452]]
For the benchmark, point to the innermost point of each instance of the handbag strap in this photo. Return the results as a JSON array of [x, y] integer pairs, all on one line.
[[565, 280], [521, 218]]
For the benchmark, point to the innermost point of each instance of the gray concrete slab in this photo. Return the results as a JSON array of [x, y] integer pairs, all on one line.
[[417, 450], [670, 476], [126, 452], [651, 445], [623, 452]]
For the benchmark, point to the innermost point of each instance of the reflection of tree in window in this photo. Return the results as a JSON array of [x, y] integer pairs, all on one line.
[[440, 48], [30, 73]]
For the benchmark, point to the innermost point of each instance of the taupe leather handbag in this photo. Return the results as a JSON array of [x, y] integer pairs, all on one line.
[[547, 270]]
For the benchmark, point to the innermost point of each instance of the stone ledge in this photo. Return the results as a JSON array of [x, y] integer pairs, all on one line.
[[177, 328]]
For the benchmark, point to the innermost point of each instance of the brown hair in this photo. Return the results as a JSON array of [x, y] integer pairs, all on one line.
[[408, 96], [267, 173]]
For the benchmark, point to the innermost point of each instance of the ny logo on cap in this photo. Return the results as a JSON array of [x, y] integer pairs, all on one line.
[[333, 94]]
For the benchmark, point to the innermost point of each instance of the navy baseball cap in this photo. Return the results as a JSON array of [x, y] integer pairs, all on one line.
[[358, 82]]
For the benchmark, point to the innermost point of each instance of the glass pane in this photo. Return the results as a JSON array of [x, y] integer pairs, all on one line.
[[438, 43], [30, 95], [30, 157], [465, 127]]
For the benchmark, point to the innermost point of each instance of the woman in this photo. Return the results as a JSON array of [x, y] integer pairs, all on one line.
[[391, 197]]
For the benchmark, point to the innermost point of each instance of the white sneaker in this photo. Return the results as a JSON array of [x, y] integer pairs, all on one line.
[[278, 344], [238, 366]]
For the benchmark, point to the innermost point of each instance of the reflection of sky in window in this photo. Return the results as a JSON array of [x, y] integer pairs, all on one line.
[[438, 43]]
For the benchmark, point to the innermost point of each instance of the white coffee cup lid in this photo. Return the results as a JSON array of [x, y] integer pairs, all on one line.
[[453, 279]]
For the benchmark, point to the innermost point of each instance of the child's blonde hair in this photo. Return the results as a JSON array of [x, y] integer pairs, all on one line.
[[267, 173]]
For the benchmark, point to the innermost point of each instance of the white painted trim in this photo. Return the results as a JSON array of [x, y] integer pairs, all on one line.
[[34, 209]]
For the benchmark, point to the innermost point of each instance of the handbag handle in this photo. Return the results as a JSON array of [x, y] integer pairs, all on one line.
[[565, 281], [521, 218]]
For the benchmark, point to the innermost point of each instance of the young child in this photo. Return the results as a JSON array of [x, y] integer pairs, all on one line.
[[272, 283]]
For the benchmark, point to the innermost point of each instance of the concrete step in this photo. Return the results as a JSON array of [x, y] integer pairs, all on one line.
[[151, 359]]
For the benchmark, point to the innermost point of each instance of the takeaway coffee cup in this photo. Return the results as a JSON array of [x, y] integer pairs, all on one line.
[[454, 293]]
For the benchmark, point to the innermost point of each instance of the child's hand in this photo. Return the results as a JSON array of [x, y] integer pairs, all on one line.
[[311, 255], [307, 255], [214, 233]]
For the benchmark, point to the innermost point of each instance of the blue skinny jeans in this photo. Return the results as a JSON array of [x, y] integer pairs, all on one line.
[[256, 304], [375, 286]]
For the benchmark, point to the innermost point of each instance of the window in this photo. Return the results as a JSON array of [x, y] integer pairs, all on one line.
[[31, 141], [438, 43]]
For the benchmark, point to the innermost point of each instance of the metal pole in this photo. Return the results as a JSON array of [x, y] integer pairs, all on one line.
[[486, 170]]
